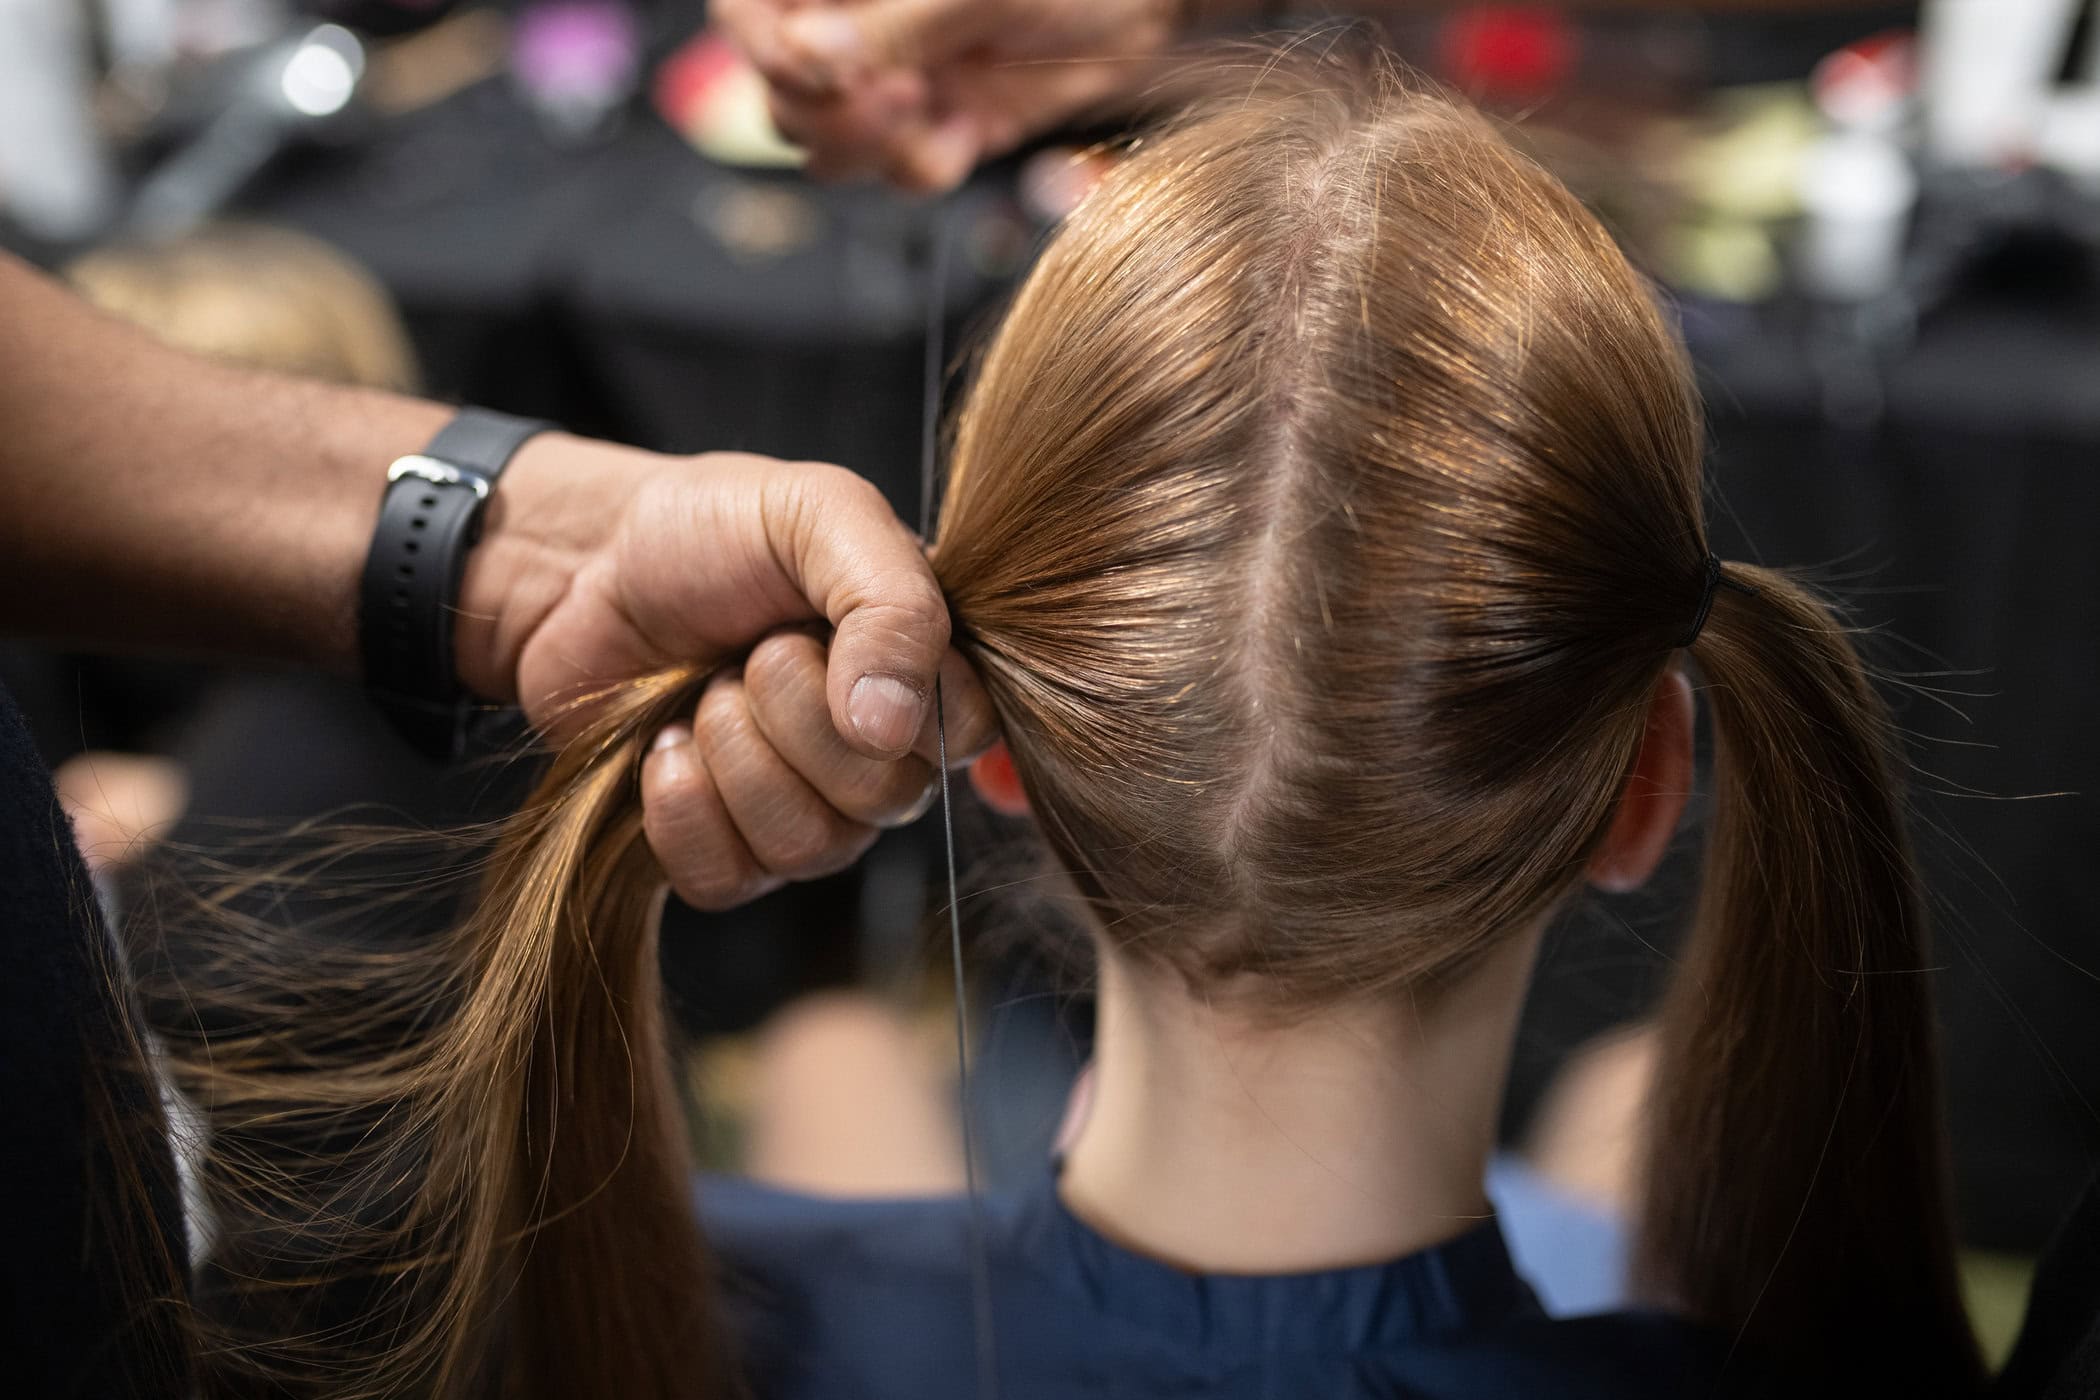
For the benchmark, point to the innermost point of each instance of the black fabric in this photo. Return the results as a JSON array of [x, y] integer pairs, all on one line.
[[2058, 1355], [93, 1229]]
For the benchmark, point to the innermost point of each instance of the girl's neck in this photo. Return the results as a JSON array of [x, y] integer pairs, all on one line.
[[1221, 1142]]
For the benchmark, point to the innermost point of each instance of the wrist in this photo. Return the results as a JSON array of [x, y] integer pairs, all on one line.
[[558, 504]]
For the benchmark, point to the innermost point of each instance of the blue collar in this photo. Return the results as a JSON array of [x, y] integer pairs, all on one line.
[[1465, 1283]]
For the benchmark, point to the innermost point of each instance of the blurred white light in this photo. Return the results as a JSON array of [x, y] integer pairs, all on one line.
[[318, 79]]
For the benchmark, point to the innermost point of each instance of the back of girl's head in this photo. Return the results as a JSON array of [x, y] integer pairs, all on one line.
[[1322, 520]]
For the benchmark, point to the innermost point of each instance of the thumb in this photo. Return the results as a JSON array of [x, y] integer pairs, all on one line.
[[911, 34], [865, 572]]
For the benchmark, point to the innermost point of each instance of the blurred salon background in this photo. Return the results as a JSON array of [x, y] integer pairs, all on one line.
[[1879, 226]]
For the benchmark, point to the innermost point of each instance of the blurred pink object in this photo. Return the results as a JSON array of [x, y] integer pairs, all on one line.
[[576, 60]]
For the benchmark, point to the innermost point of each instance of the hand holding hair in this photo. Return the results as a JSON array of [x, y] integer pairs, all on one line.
[[605, 564], [920, 91], [598, 565]]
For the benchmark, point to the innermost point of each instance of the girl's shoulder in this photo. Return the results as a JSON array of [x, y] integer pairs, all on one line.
[[835, 1298]]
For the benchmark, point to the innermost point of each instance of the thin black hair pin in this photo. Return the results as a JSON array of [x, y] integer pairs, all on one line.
[[929, 453]]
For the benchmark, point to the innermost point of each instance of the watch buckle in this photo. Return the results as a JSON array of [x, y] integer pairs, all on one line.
[[438, 473]]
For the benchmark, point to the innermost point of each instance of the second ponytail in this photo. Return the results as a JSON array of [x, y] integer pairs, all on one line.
[[1796, 1190]]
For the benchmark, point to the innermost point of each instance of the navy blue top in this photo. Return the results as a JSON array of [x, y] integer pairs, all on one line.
[[872, 1299]]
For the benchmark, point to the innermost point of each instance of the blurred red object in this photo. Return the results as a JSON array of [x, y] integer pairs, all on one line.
[[1867, 83], [1508, 51], [691, 76]]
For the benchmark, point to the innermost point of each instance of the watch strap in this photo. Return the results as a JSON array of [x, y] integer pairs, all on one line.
[[429, 518], [484, 440]]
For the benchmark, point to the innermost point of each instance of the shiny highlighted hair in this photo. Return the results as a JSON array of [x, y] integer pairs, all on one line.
[[1321, 520]]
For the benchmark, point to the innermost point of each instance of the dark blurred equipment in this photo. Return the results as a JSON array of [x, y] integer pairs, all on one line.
[[273, 99], [381, 18], [1938, 157]]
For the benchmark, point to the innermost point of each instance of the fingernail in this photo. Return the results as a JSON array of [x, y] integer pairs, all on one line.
[[670, 737], [832, 39], [886, 712]]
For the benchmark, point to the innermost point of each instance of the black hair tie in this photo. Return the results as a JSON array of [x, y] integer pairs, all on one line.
[[1715, 579]]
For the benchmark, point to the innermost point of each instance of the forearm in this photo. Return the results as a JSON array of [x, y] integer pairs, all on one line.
[[152, 499]]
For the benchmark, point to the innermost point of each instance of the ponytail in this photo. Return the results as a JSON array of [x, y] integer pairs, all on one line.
[[1797, 1183], [456, 1167]]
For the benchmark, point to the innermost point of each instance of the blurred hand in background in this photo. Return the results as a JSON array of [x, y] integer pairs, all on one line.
[[920, 92]]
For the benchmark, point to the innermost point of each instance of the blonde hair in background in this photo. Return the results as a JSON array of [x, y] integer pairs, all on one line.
[[259, 296], [1322, 518]]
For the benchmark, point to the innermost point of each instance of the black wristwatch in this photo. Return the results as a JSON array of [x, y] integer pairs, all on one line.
[[429, 519]]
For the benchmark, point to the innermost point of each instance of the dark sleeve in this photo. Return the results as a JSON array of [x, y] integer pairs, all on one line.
[[2058, 1354], [91, 1275]]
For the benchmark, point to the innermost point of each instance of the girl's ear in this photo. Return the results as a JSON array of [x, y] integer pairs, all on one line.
[[993, 775], [1656, 791]]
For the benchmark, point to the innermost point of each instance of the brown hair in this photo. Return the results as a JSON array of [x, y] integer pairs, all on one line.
[[1322, 519], [1326, 512], [452, 1166]]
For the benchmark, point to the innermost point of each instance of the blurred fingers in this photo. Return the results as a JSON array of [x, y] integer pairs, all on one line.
[[839, 43], [851, 132], [759, 29], [932, 157]]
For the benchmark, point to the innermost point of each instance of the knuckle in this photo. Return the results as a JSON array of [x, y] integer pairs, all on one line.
[[863, 491], [779, 667], [846, 490], [905, 611], [723, 719]]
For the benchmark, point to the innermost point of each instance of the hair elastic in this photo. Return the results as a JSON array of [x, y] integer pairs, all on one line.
[[1715, 579]]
